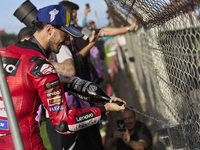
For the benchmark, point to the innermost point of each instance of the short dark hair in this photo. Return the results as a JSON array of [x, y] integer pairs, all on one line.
[[38, 25], [130, 108], [25, 32], [70, 5]]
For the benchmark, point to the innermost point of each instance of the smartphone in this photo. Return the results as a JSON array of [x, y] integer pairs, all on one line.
[[121, 125], [87, 5]]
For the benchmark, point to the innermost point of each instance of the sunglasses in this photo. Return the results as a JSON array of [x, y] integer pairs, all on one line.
[[90, 23], [67, 35]]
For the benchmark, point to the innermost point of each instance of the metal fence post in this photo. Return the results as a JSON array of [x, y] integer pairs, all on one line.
[[10, 111]]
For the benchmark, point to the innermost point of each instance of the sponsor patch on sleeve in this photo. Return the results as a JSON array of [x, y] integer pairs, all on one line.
[[56, 108], [3, 125], [10, 65], [2, 110], [84, 116], [55, 100], [42, 67], [52, 84], [53, 92], [47, 69], [84, 124]]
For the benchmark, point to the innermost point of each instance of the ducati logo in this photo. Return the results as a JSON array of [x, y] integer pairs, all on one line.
[[47, 69], [53, 14], [93, 88], [10, 65]]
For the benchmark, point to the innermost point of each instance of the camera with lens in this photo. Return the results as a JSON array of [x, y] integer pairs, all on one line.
[[26, 13], [87, 31]]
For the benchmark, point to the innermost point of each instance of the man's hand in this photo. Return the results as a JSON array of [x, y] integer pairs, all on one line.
[[118, 99], [113, 106], [51, 61], [112, 142], [134, 23], [126, 137], [94, 37], [103, 32], [65, 82], [86, 11], [117, 134]]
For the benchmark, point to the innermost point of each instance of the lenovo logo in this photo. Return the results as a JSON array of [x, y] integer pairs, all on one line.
[[83, 117], [86, 123]]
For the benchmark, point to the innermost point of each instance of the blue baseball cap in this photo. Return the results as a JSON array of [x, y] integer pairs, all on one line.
[[59, 15]]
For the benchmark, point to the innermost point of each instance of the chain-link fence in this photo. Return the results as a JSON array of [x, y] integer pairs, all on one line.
[[166, 67]]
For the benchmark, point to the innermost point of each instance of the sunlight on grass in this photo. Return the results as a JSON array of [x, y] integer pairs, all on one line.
[[44, 136]]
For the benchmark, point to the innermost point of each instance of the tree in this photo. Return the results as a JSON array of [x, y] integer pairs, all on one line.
[[8, 39]]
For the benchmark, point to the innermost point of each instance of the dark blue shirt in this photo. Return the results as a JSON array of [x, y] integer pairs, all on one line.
[[141, 133]]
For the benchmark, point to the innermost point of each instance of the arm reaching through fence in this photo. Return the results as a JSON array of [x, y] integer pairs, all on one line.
[[115, 31]]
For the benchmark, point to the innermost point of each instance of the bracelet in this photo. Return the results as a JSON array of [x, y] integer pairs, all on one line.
[[128, 29]]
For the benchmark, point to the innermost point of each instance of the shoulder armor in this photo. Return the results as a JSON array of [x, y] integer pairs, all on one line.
[[42, 67]]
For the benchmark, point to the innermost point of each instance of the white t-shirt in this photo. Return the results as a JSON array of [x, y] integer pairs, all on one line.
[[64, 54]]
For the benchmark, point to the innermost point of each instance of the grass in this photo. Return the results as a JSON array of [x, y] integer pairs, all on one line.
[[108, 59], [44, 136]]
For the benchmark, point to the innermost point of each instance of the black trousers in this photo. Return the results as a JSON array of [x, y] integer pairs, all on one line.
[[86, 139], [89, 139], [60, 141]]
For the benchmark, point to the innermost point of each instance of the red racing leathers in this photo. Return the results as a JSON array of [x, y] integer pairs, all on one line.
[[33, 80]]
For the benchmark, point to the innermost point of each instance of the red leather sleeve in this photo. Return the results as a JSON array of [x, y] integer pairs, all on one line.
[[51, 92]]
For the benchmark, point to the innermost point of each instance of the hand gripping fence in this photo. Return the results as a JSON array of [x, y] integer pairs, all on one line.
[[166, 68]]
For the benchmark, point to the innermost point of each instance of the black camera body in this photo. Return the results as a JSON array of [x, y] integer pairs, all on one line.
[[26, 13], [121, 125], [87, 31]]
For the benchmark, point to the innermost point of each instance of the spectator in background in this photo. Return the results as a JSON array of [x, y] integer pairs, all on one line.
[[136, 137], [84, 70], [34, 81], [24, 34], [109, 31], [96, 61], [86, 11]]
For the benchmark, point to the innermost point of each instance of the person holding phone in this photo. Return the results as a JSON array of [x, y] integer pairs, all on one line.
[[135, 136], [86, 11]]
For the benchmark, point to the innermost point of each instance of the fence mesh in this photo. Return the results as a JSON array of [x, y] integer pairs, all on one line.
[[166, 47]]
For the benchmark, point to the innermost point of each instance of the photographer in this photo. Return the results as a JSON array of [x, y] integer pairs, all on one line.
[[135, 137], [34, 81], [85, 70]]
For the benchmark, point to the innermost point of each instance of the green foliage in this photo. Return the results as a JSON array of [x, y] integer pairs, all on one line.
[[108, 59], [8, 39], [44, 136]]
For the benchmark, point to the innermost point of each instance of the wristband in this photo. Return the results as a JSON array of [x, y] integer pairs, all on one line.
[[128, 29]]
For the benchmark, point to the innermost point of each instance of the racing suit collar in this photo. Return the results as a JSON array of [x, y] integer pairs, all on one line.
[[34, 40]]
